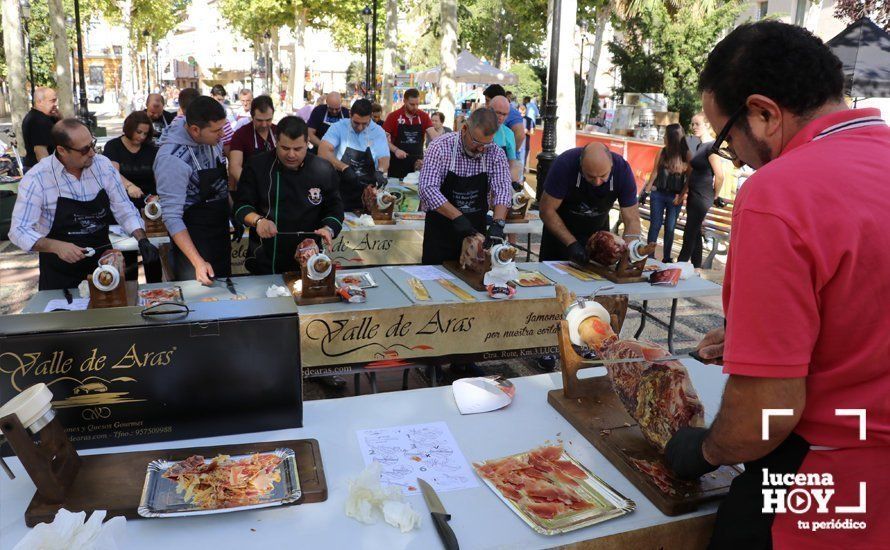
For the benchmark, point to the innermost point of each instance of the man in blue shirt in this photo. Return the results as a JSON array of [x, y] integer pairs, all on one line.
[[582, 185], [359, 150], [513, 120], [506, 139]]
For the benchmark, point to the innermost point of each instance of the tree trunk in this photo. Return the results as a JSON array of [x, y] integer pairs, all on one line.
[[390, 67], [297, 83], [276, 72], [603, 14], [565, 97], [62, 70], [448, 51], [125, 93], [14, 49]]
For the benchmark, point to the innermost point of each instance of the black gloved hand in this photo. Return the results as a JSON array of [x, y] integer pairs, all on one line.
[[642, 198], [684, 456], [719, 202], [148, 251], [463, 226], [517, 186], [237, 229], [380, 179], [577, 253], [495, 234], [348, 176]]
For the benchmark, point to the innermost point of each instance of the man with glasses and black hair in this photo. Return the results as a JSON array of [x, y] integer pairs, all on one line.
[[64, 206], [194, 193], [805, 334], [582, 186], [253, 138], [462, 170], [359, 150]]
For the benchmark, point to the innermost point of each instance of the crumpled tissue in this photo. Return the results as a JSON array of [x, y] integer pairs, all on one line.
[[275, 291], [365, 219], [368, 499], [69, 530], [84, 289]]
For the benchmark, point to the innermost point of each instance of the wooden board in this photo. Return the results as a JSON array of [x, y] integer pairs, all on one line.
[[291, 277], [385, 222], [470, 277], [114, 482], [601, 418], [609, 274], [516, 220], [99, 299]]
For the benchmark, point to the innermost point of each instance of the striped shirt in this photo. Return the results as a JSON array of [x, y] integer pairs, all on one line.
[[39, 190], [446, 154]]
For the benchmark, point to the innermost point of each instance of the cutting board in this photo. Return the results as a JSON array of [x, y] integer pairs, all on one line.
[[473, 279], [114, 482], [601, 418]]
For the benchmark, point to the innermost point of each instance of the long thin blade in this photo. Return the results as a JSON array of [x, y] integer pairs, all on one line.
[[431, 498], [635, 360]]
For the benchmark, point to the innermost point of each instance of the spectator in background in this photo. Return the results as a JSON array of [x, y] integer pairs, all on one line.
[[668, 177], [529, 130], [531, 108], [186, 96], [459, 122], [324, 116], [37, 126], [133, 155], [253, 138], [160, 119], [504, 138], [406, 128], [512, 99], [377, 113], [305, 111], [439, 129], [219, 93], [242, 114], [513, 121], [703, 185]]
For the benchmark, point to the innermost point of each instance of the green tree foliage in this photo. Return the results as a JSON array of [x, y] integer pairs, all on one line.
[[851, 10], [530, 83], [663, 49]]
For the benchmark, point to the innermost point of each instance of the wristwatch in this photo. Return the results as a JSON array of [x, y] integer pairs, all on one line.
[[501, 223]]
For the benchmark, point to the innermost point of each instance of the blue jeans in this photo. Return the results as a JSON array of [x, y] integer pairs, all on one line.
[[663, 212]]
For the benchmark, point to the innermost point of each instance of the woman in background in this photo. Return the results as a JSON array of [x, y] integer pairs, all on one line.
[[668, 178], [133, 154], [439, 128], [704, 183]]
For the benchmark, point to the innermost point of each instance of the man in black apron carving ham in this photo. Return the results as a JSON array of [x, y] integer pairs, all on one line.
[[462, 170], [283, 192], [805, 344], [194, 193], [359, 150], [408, 127], [65, 204], [582, 186]]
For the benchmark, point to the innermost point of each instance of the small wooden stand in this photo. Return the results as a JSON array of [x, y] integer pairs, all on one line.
[[625, 271], [380, 216], [593, 408], [518, 215], [153, 228], [123, 295], [51, 462]]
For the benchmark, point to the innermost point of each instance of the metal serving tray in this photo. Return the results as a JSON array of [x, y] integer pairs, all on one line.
[[160, 499]]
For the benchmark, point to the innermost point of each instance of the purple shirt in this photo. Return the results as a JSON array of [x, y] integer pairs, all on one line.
[[446, 154]]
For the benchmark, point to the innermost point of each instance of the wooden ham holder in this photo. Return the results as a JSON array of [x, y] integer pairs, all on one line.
[[381, 216], [313, 292], [625, 271], [519, 215], [123, 295], [474, 275], [593, 408]]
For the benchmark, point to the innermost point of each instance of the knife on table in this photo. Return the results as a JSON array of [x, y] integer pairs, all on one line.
[[231, 286], [68, 295], [690, 355], [440, 516]]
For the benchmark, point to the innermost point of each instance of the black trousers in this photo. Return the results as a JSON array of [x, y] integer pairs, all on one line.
[[696, 209]]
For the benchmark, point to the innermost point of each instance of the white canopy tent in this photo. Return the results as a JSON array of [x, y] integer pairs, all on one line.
[[471, 70]]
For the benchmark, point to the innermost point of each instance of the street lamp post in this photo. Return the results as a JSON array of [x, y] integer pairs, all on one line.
[[145, 35], [268, 37], [26, 16], [548, 140], [366, 17], [83, 112], [509, 39], [583, 86]]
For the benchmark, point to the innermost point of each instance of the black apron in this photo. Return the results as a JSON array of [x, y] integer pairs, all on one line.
[[410, 140], [362, 162], [207, 222], [469, 194], [582, 215], [291, 210], [84, 223]]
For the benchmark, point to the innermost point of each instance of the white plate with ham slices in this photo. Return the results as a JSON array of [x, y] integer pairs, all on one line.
[[551, 491]]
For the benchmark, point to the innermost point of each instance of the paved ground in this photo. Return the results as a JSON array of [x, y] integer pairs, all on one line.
[[18, 282]]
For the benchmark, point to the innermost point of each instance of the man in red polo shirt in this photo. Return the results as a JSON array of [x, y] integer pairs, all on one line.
[[807, 335], [407, 127], [253, 138]]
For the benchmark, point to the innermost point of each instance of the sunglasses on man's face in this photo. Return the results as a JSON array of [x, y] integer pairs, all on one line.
[[720, 147], [83, 150]]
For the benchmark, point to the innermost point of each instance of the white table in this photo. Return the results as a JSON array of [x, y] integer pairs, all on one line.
[[479, 519]]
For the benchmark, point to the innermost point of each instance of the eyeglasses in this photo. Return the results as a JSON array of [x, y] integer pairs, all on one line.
[[83, 150], [475, 143], [722, 149]]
